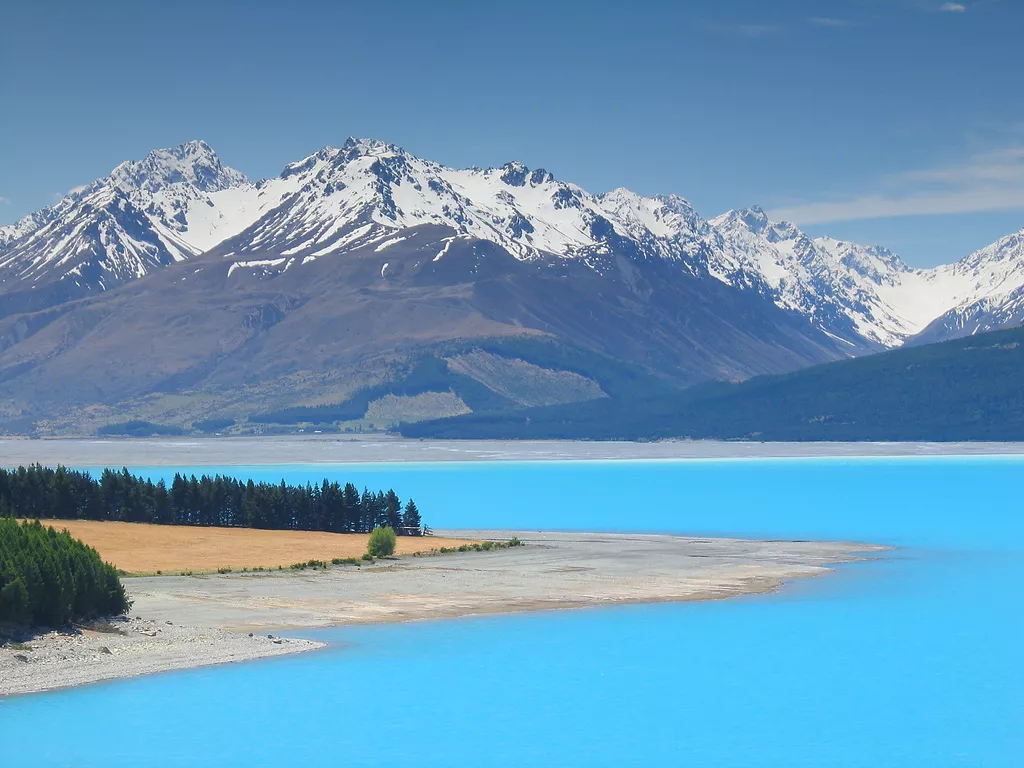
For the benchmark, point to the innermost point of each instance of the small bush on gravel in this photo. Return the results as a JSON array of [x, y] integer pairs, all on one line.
[[382, 542]]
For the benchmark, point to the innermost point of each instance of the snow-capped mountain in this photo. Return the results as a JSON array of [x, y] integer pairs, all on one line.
[[143, 216], [342, 198], [984, 291], [869, 291], [177, 203], [829, 282]]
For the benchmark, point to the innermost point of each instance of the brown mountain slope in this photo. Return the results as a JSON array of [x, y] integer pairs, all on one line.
[[213, 336]]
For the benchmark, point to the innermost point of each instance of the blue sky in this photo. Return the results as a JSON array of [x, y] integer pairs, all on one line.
[[899, 122]]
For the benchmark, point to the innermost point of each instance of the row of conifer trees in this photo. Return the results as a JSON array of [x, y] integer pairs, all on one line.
[[49, 579], [66, 494]]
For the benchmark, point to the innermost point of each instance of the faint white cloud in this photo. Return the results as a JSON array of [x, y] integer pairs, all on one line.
[[990, 180], [952, 7], [826, 21], [76, 190], [4, 200]]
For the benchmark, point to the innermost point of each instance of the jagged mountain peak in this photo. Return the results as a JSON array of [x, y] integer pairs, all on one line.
[[835, 285], [1007, 249], [371, 146], [664, 216], [872, 261], [516, 174], [122, 226], [756, 221], [677, 203], [321, 198], [752, 219], [180, 201], [353, 147], [193, 162]]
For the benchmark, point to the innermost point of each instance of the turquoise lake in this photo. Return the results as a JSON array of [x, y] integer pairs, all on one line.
[[914, 659]]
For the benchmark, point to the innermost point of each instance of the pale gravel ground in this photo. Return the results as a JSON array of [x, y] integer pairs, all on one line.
[[325, 449], [61, 660], [210, 616]]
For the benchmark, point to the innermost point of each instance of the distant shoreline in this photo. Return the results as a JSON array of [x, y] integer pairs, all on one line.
[[351, 449], [192, 621]]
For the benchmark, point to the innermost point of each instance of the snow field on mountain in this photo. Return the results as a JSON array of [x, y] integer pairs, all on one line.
[[179, 202]]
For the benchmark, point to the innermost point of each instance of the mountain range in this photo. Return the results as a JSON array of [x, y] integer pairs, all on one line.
[[177, 291]]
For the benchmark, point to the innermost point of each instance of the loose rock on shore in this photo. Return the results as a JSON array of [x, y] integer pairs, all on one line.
[[126, 647]]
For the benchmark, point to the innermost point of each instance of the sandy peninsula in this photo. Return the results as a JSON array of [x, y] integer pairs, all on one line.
[[187, 621]]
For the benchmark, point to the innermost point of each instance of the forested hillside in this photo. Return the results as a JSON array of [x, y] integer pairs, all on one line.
[[967, 389], [49, 579]]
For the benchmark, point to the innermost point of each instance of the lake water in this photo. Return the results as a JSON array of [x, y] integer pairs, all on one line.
[[916, 659]]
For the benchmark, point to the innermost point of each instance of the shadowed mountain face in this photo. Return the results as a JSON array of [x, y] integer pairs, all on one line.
[[177, 291], [241, 339], [964, 389]]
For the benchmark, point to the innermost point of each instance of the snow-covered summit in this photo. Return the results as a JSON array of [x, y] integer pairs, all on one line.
[[193, 163], [869, 287], [123, 225], [802, 275], [340, 197], [176, 203]]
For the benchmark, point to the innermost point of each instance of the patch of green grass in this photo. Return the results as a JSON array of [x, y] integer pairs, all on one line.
[[481, 546], [314, 564]]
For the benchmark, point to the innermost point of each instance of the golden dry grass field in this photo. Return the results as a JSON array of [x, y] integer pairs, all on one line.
[[140, 548]]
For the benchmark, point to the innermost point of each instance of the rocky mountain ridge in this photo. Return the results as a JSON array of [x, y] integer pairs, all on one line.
[[176, 290], [177, 203]]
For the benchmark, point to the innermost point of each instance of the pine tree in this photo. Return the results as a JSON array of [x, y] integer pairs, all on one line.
[[411, 521], [41, 492], [392, 510], [48, 578]]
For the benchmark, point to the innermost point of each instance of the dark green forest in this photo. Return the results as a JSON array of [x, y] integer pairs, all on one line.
[[50, 579], [961, 390], [66, 494]]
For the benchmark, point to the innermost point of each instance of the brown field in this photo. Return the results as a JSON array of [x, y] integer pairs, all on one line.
[[138, 548]]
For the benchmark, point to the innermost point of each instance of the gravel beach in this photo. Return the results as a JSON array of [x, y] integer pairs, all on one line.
[[190, 621], [127, 648]]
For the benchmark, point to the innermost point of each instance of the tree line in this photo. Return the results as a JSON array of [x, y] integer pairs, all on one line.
[[50, 579], [66, 494]]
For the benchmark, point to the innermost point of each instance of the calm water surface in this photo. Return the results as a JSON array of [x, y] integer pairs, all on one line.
[[913, 660]]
